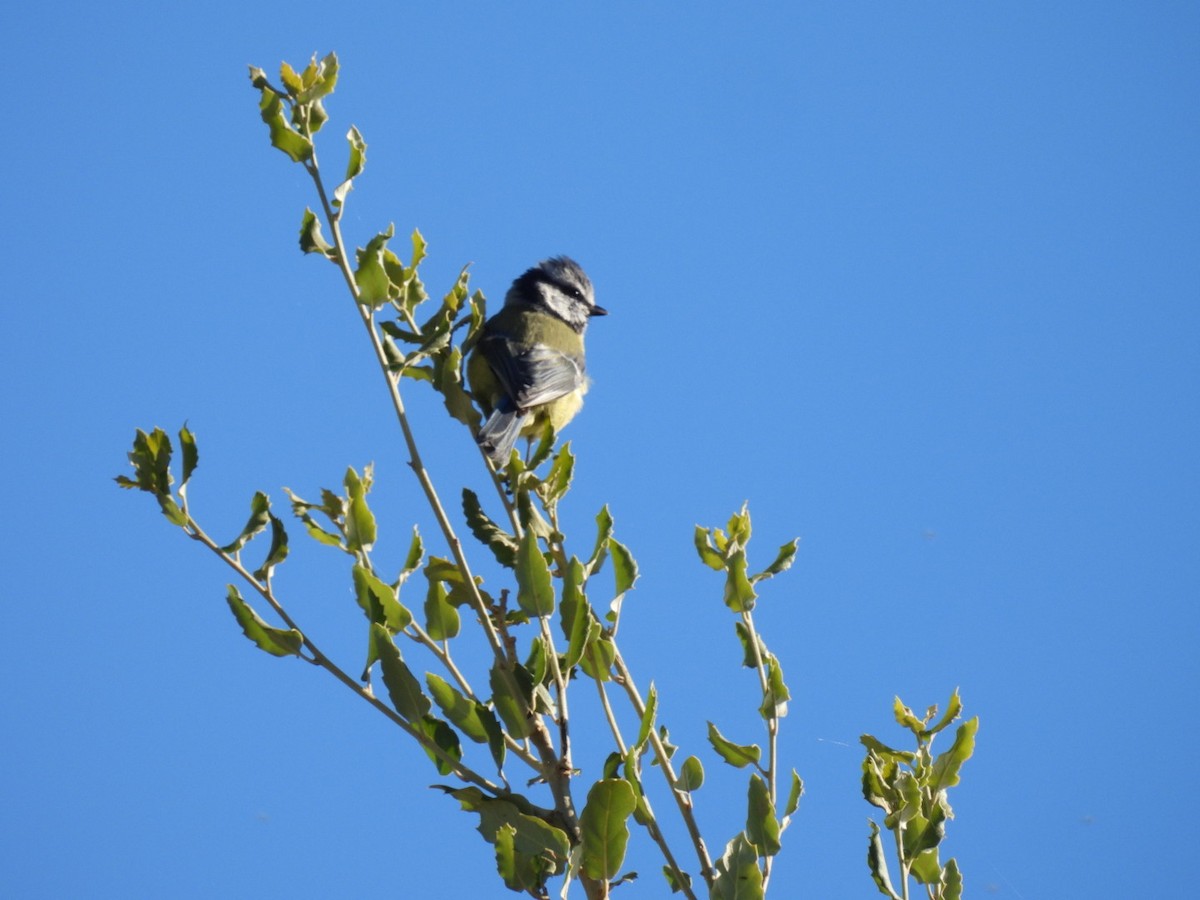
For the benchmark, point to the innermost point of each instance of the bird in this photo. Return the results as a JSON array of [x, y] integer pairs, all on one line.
[[528, 365]]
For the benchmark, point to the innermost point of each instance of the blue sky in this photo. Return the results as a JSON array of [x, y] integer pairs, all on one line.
[[919, 283]]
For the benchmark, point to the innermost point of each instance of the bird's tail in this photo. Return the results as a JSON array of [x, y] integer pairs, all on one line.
[[499, 433]]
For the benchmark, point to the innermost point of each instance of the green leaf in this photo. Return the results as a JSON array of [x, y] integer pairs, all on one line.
[[598, 655], [278, 551], [354, 165], [575, 615], [360, 521], [877, 863], [604, 530], [558, 480], [739, 526], [883, 750], [691, 775], [191, 456], [674, 883], [378, 600], [648, 714], [473, 719], [416, 553], [737, 755], [776, 696], [283, 136], [794, 795], [370, 276], [783, 561], [276, 641], [739, 592], [953, 711], [625, 568], [441, 618], [906, 717], [151, 461], [442, 736], [926, 869], [749, 660], [737, 874], [947, 765], [260, 517], [512, 695], [418, 249], [762, 828], [312, 240], [704, 547], [535, 591], [605, 835], [402, 686], [502, 544], [538, 849], [952, 881]]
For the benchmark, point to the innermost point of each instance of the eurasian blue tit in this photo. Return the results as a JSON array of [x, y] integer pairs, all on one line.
[[528, 365]]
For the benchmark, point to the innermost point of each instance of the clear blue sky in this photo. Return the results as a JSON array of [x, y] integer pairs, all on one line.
[[920, 282]]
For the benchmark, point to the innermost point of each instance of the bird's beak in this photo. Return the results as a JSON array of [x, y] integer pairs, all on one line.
[[597, 311]]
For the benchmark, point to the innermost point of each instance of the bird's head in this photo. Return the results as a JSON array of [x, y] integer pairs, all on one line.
[[560, 287]]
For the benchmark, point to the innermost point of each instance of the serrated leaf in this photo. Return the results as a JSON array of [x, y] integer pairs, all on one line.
[[738, 755], [535, 590], [360, 521], [783, 561], [558, 479], [502, 544], [952, 881], [402, 686], [762, 828], [691, 775], [906, 717], [948, 764], [647, 722], [603, 827], [749, 659], [953, 711], [370, 276], [737, 874], [604, 530], [260, 517], [739, 592], [883, 750], [739, 526], [276, 641], [925, 867], [354, 166], [776, 696], [312, 240], [416, 553], [283, 136], [709, 556]]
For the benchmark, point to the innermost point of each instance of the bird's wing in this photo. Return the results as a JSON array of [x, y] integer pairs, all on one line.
[[533, 374]]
